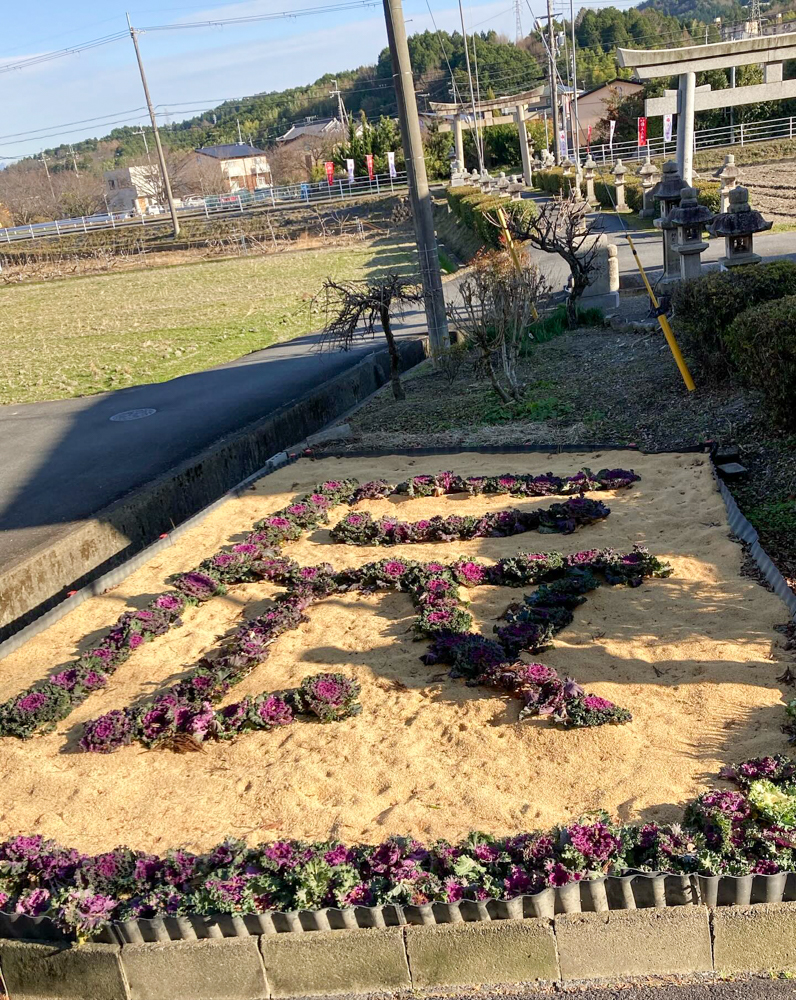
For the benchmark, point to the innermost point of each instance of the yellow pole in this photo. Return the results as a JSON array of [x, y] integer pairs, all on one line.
[[664, 322], [512, 249]]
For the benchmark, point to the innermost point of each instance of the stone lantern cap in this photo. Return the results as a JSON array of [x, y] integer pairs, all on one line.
[[729, 172], [649, 170], [619, 169], [589, 164], [740, 220], [670, 184], [689, 212]]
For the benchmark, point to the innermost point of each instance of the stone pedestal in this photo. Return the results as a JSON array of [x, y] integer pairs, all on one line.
[[589, 172], [603, 292], [649, 174], [619, 172]]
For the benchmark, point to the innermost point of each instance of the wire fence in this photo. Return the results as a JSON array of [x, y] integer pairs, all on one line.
[[742, 134], [218, 206]]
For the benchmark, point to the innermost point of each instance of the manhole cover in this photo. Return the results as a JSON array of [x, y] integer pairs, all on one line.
[[133, 414]]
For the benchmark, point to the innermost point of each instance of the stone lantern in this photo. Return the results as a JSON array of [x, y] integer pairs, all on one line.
[[691, 219], [589, 171], [619, 172], [649, 175], [667, 191], [729, 176], [738, 225], [569, 173]]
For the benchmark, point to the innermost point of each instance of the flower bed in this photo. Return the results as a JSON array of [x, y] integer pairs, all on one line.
[[736, 832], [479, 736], [39, 708]]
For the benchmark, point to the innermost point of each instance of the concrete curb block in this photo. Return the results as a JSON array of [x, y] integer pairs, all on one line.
[[574, 946], [754, 938], [195, 970], [330, 962], [511, 951], [633, 943], [41, 582]]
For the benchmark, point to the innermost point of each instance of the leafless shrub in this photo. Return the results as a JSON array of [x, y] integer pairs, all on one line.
[[353, 308], [498, 304]]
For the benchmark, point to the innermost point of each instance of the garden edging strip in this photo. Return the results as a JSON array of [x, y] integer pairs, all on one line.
[[570, 947]]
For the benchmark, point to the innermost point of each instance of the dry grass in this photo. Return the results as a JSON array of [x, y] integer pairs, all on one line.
[[87, 335]]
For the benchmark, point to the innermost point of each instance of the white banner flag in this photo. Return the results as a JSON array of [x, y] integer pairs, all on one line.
[[350, 167], [391, 164], [667, 128], [611, 133], [562, 143]]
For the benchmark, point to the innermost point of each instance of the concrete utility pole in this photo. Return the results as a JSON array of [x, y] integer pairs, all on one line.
[[341, 111], [478, 148], [49, 179], [551, 51], [161, 158], [576, 124], [416, 174]]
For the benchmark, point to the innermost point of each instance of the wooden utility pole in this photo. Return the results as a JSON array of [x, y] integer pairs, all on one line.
[[553, 81], [161, 157], [425, 236]]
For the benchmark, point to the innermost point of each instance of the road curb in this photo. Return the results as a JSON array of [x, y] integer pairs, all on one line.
[[59, 575], [573, 947]]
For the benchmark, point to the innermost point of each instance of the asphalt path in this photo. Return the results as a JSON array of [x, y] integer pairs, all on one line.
[[745, 989], [63, 461]]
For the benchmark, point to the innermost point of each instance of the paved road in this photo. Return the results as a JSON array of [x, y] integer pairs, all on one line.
[[65, 460], [747, 989]]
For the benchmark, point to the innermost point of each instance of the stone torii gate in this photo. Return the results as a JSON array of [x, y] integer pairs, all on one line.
[[514, 105], [770, 51]]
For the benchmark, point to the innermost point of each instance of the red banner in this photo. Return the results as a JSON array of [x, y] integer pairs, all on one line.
[[329, 172], [369, 164], [588, 139], [642, 131]]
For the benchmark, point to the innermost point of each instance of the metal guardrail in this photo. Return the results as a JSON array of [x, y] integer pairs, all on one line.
[[742, 134], [239, 203]]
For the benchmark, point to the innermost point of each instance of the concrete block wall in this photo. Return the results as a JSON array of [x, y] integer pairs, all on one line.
[[572, 947]]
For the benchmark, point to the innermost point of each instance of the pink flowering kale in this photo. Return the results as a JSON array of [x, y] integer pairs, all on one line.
[[330, 697]]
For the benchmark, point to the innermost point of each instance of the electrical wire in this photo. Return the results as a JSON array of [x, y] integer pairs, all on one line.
[[274, 16], [60, 53]]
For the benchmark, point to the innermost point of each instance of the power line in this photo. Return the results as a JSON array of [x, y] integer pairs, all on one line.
[[60, 53], [275, 16]]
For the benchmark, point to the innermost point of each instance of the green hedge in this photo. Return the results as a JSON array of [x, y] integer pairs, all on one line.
[[705, 307], [761, 343], [472, 208]]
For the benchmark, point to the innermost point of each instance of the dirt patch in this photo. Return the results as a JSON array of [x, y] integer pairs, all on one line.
[[695, 657]]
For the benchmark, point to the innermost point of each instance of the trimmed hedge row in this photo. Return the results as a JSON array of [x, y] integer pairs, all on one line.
[[761, 343], [473, 208], [744, 320]]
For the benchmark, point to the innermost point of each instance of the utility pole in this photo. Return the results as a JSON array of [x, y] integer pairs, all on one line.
[[472, 93], [517, 21], [74, 158], [576, 125], [240, 137], [433, 296], [341, 111], [161, 158], [49, 179], [551, 52]]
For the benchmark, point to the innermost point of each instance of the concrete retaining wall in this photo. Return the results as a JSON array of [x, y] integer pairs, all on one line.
[[37, 583], [572, 947]]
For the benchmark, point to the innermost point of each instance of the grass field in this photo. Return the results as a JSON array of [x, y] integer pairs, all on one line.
[[81, 336]]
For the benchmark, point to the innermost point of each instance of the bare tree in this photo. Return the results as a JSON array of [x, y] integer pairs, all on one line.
[[498, 303], [561, 226], [352, 309], [26, 193], [288, 164]]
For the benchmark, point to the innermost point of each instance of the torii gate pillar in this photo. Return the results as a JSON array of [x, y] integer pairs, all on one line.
[[685, 127]]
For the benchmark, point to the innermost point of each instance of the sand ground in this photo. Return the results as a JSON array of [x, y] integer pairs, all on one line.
[[694, 657]]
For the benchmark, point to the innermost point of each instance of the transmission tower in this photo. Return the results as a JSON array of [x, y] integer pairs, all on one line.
[[518, 18], [754, 17]]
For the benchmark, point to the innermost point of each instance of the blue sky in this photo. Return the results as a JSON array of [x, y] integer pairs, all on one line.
[[188, 70]]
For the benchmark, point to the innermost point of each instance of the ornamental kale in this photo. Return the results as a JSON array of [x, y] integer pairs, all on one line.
[[330, 697]]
